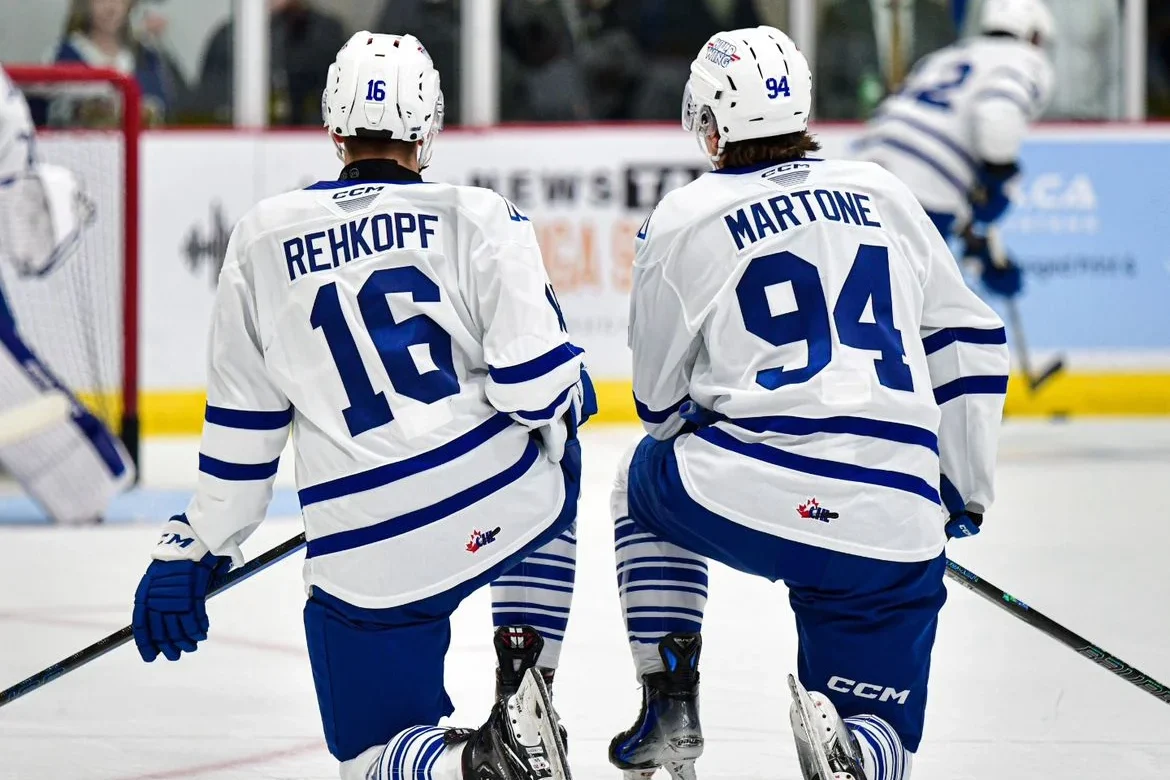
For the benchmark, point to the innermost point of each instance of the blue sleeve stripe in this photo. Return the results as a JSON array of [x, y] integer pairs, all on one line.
[[947, 336], [927, 160], [937, 135], [952, 500], [237, 472], [970, 385], [412, 521], [856, 426], [537, 367], [392, 472], [846, 472], [548, 412], [1002, 94], [648, 415], [248, 420]]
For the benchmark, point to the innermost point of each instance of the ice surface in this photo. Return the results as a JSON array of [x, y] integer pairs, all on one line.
[[1080, 531]]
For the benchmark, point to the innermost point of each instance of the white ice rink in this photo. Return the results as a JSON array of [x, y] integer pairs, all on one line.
[[1081, 531]]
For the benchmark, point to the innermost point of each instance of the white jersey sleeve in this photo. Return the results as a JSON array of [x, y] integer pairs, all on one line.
[[663, 345], [1014, 94], [534, 371], [967, 355], [246, 423]]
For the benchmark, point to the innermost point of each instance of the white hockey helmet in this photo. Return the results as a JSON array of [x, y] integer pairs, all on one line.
[[1025, 19], [749, 83], [384, 86]]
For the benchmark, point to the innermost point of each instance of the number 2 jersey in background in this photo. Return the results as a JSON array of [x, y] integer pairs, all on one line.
[[407, 333], [816, 310], [962, 107]]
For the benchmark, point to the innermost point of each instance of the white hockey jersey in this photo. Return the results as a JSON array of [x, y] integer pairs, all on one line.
[[814, 307], [407, 334], [962, 106]]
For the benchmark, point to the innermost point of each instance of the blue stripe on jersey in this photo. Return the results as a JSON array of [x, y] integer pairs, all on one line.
[[951, 497], [856, 426], [662, 559], [937, 135], [538, 556], [947, 336], [411, 521], [846, 472], [392, 472], [930, 162], [679, 610], [526, 617], [237, 472], [1023, 79], [548, 412], [537, 367], [248, 420], [662, 574], [970, 385], [648, 415], [1003, 94], [529, 605]]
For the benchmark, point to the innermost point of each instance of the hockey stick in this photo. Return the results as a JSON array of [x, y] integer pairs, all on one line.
[[124, 635], [31, 418], [999, 258], [1047, 625]]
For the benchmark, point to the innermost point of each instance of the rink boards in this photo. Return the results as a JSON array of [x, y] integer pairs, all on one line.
[[1090, 225]]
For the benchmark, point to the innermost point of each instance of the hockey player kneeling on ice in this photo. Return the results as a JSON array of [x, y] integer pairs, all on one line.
[[807, 361], [405, 332], [65, 458]]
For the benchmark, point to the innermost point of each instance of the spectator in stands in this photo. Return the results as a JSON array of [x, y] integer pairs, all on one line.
[[305, 42], [539, 75], [98, 34], [436, 23]]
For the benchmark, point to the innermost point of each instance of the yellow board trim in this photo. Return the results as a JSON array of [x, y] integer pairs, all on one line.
[[180, 413]]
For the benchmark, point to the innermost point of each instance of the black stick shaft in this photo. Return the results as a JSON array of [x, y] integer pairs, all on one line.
[[1047, 625], [124, 635]]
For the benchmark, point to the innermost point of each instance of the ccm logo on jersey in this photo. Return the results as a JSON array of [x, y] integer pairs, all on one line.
[[358, 192], [867, 690]]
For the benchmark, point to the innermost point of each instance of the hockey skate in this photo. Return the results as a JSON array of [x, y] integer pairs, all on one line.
[[826, 747], [520, 740], [667, 733], [517, 650]]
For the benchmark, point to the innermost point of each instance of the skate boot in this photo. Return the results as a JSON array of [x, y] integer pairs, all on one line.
[[517, 650], [826, 747], [520, 740], [667, 733]]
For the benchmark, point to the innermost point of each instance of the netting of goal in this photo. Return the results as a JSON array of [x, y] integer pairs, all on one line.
[[82, 317]]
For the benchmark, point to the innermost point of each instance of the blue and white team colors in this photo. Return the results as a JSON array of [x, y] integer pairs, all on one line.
[[815, 308], [963, 107], [68, 461], [407, 335]]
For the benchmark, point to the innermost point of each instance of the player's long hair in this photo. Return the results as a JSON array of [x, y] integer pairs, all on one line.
[[761, 151]]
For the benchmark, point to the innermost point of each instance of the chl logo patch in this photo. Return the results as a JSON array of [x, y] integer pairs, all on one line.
[[481, 539], [812, 510]]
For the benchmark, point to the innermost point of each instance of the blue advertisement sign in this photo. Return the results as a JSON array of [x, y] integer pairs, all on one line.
[[1091, 227]]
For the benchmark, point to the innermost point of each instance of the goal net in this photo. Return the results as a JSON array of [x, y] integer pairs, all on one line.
[[82, 317]]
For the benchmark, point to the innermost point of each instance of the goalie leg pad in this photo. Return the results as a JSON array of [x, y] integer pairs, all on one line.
[[73, 466]]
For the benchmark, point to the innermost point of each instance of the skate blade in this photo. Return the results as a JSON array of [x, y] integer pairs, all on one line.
[[808, 721], [533, 702], [681, 770]]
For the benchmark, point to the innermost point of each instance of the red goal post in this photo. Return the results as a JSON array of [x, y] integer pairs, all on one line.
[[82, 319]]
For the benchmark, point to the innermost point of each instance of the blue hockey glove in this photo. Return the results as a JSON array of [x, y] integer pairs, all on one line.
[[989, 199], [1000, 275], [170, 616], [964, 524]]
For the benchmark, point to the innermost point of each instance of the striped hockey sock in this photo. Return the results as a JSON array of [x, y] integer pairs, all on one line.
[[418, 753], [538, 593], [881, 749], [663, 590]]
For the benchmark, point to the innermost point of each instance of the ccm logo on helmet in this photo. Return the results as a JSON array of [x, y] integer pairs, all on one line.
[[867, 690]]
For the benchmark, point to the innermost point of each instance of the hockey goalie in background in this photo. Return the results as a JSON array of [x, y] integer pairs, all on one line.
[[60, 453]]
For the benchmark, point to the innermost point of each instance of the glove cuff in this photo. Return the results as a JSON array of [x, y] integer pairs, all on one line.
[[179, 542]]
